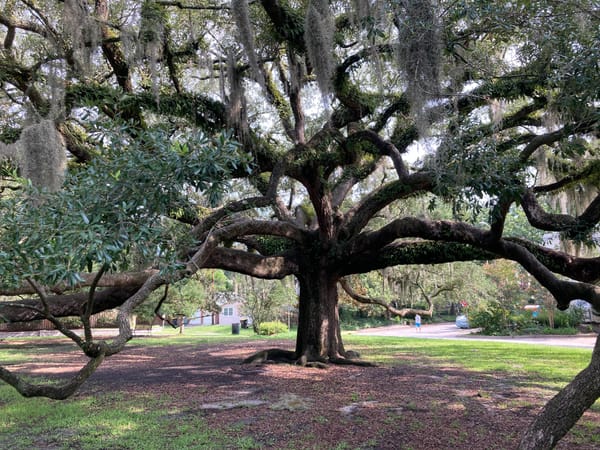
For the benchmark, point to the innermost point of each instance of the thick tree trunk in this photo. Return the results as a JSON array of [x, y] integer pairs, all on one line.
[[563, 411], [319, 337]]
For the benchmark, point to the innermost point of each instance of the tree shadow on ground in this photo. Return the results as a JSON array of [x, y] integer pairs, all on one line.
[[411, 404]]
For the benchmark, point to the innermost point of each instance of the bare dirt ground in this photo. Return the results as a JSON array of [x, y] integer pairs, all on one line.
[[413, 405]]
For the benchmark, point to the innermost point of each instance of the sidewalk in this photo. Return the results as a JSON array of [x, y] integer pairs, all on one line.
[[451, 331]]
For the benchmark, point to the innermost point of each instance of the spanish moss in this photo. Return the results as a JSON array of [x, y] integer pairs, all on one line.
[[318, 36], [419, 50], [241, 15], [39, 154], [83, 32]]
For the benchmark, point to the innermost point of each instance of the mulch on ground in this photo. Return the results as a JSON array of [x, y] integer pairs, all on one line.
[[412, 405]]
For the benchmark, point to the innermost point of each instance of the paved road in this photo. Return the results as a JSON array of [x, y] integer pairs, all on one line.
[[450, 331], [428, 331]]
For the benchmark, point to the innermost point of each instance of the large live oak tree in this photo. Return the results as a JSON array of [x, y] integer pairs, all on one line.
[[329, 102]]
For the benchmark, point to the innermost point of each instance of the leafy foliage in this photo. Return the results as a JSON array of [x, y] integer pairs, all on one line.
[[270, 328], [266, 300], [115, 208], [495, 318]]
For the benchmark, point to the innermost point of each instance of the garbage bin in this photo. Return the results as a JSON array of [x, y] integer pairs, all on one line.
[[235, 328]]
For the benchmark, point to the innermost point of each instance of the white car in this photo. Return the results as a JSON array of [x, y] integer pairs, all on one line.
[[462, 321]]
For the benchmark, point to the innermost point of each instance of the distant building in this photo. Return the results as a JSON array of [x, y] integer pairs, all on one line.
[[230, 305]]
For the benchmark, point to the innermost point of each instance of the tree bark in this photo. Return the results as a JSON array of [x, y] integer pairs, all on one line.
[[563, 411], [27, 310], [55, 392], [319, 337]]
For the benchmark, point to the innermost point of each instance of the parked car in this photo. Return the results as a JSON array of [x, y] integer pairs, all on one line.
[[462, 321]]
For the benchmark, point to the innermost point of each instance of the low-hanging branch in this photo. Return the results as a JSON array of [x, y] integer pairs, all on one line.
[[96, 351], [56, 392], [64, 305], [402, 312]]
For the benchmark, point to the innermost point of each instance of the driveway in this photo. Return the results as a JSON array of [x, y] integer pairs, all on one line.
[[451, 331]]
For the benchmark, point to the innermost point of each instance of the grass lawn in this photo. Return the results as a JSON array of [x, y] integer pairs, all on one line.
[[115, 420], [547, 364]]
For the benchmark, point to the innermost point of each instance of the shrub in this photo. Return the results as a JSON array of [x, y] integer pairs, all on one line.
[[562, 319], [522, 321], [270, 328], [107, 322], [496, 319], [356, 318], [492, 318], [71, 322]]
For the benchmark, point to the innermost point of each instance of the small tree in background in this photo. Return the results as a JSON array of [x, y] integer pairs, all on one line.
[[267, 301], [188, 296]]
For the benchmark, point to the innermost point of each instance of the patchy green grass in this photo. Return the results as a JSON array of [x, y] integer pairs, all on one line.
[[22, 349], [203, 335], [551, 364], [111, 420], [117, 420]]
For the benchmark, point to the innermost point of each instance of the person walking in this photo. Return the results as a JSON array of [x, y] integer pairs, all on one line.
[[418, 322]]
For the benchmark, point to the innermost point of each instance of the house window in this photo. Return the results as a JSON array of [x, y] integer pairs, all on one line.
[[228, 311]]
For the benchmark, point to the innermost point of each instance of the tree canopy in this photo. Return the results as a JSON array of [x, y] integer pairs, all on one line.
[[336, 111]]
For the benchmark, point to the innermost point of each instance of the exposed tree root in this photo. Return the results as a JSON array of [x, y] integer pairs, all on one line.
[[271, 355], [278, 356], [352, 362]]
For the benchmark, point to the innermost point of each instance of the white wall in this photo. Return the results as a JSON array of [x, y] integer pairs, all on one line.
[[197, 320], [228, 319]]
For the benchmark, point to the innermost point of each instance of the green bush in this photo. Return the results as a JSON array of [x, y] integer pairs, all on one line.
[[521, 321], [270, 328], [562, 319], [71, 322], [107, 322], [495, 319], [492, 318], [357, 318]]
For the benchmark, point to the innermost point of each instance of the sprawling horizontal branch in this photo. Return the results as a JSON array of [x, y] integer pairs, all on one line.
[[116, 280], [542, 220], [259, 227], [414, 252], [358, 216], [543, 139], [586, 270], [588, 172], [64, 305], [128, 285], [402, 312], [564, 291], [200, 110], [12, 22], [182, 5], [268, 267], [269, 198]]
